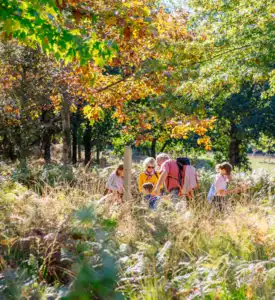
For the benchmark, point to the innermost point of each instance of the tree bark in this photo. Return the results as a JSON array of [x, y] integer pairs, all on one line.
[[23, 121], [97, 153], [165, 145], [8, 149], [66, 157], [153, 148], [46, 119], [74, 154], [74, 135], [79, 150], [47, 146], [87, 143]]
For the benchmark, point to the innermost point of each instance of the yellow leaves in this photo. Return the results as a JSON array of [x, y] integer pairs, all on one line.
[[8, 109], [75, 31], [34, 115], [56, 101], [204, 140], [73, 108], [93, 113], [111, 21], [99, 61]]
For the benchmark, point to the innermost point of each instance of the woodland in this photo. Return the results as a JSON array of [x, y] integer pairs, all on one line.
[[82, 80]]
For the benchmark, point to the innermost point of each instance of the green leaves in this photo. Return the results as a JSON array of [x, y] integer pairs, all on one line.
[[41, 22]]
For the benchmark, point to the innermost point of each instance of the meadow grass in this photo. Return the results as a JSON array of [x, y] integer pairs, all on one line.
[[62, 244]]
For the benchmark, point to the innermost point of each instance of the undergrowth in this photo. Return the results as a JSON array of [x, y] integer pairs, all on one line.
[[58, 242]]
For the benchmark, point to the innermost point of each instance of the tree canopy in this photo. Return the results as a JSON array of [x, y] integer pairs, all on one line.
[[158, 72]]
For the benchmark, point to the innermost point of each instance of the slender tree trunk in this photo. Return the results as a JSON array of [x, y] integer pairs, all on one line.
[[165, 145], [234, 146], [74, 134], [97, 153], [79, 132], [47, 146], [87, 143], [74, 155], [153, 148], [66, 157], [47, 136], [79, 151], [23, 121], [8, 149]]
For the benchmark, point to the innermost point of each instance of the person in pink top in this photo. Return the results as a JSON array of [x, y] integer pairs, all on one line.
[[169, 174]]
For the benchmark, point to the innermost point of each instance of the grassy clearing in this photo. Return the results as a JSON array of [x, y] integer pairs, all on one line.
[[62, 244], [258, 162], [262, 162]]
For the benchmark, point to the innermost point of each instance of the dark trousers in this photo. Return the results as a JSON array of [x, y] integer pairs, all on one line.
[[219, 203]]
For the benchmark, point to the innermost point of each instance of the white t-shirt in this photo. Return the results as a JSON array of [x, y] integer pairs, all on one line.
[[115, 183], [220, 183]]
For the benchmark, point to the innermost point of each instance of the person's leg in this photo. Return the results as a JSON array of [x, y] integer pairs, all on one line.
[[219, 203], [174, 195]]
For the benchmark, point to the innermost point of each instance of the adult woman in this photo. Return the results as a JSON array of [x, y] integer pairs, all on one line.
[[149, 174]]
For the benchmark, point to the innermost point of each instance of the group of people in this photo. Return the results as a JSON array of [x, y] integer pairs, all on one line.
[[178, 178]]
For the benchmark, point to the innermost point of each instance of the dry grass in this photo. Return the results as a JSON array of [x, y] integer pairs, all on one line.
[[172, 253]]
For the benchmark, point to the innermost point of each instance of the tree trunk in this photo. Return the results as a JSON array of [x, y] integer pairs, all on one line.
[[66, 157], [234, 146], [47, 135], [8, 149], [87, 143], [74, 134], [23, 128], [165, 145], [79, 150], [97, 153], [47, 146], [79, 132], [74, 154], [153, 148]]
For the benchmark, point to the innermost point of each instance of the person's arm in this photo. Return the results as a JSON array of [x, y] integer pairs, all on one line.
[[111, 184], [160, 182]]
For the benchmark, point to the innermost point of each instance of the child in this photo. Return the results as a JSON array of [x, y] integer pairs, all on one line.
[[147, 189], [219, 190], [211, 192], [115, 182]]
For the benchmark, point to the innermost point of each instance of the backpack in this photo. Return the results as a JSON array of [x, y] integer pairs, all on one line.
[[181, 162]]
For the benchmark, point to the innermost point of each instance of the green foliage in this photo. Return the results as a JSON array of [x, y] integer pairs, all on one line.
[[265, 144], [43, 23], [38, 178]]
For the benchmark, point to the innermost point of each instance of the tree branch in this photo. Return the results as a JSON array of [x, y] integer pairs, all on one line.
[[113, 84]]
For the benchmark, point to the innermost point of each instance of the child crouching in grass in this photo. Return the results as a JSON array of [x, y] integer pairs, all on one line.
[[218, 191], [147, 189]]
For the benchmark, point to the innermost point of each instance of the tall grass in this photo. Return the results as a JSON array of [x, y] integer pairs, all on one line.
[[62, 243]]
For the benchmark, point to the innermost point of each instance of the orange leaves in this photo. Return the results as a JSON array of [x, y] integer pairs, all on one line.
[[200, 127], [8, 109]]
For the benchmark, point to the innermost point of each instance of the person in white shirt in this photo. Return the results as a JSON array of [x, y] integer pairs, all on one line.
[[115, 181], [220, 185]]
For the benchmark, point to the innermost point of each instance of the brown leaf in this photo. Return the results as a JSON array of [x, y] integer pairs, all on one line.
[[127, 33]]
